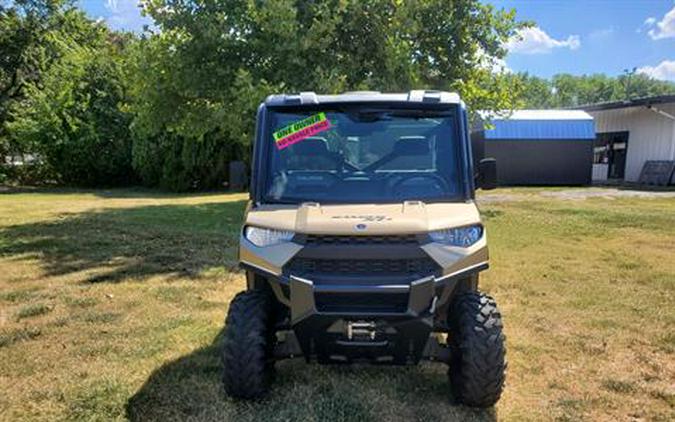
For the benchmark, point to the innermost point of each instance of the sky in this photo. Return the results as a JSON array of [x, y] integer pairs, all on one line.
[[569, 36]]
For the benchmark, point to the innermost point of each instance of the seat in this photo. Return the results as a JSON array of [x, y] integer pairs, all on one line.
[[311, 154], [410, 153]]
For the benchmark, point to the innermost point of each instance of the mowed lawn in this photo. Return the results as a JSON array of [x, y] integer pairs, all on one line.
[[112, 305]]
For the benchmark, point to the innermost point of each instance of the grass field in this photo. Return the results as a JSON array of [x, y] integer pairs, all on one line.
[[112, 302]]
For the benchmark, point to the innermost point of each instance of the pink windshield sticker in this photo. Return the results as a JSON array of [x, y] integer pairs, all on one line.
[[303, 129]]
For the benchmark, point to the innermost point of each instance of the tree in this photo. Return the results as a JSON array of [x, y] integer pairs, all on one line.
[[636, 85], [198, 81], [536, 92], [565, 90], [71, 117], [23, 25]]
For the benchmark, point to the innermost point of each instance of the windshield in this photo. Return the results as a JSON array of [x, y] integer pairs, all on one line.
[[363, 155]]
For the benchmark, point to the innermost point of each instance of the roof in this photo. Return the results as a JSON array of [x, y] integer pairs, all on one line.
[[542, 125], [415, 96], [546, 115], [637, 102]]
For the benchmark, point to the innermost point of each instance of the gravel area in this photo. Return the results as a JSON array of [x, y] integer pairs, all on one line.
[[575, 194]]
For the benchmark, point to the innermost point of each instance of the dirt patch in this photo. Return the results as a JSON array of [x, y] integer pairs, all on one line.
[[609, 193], [573, 194], [493, 198]]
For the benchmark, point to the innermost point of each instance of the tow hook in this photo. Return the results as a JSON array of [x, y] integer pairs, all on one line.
[[361, 329]]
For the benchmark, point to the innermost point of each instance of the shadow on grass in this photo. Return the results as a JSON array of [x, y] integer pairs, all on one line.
[[189, 388], [114, 244]]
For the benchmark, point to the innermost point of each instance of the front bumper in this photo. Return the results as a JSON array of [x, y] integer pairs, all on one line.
[[401, 336], [399, 288]]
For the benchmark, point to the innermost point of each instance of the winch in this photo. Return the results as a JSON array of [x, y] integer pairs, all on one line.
[[360, 330]]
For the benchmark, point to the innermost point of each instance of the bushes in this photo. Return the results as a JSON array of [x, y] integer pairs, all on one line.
[[61, 90], [74, 123], [179, 163], [181, 144]]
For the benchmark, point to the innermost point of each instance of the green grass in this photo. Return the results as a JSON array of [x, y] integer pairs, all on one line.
[[33, 309], [112, 304], [8, 337]]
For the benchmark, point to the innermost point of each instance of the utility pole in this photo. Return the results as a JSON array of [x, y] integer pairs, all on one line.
[[629, 81]]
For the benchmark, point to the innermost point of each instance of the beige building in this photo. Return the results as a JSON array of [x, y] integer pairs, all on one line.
[[629, 133]]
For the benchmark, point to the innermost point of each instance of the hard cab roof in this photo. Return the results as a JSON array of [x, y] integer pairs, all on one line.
[[412, 97]]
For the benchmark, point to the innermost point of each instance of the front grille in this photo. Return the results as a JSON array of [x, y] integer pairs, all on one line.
[[417, 266], [358, 302], [321, 240], [366, 260]]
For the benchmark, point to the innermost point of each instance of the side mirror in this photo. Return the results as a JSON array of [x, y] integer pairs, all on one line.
[[487, 174]]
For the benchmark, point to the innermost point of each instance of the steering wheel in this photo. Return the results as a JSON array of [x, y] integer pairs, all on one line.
[[441, 183]]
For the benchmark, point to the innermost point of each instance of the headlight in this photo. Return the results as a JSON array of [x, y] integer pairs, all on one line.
[[267, 237], [459, 236]]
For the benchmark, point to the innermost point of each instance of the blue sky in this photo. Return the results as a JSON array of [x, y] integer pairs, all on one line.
[[595, 36], [118, 14], [572, 36]]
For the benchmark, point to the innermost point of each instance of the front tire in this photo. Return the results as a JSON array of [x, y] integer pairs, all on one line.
[[478, 362], [247, 357]]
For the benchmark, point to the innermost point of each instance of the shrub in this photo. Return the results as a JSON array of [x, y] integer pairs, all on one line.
[[73, 119]]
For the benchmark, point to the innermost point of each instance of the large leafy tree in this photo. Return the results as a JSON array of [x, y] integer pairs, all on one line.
[[70, 117], [199, 79], [24, 25]]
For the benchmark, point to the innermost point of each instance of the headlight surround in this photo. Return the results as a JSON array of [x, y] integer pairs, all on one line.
[[267, 237], [458, 236]]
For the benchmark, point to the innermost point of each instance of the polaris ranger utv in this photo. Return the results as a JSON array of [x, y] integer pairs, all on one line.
[[362, 242]]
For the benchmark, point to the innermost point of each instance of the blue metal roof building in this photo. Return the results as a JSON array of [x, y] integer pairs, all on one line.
[[542, 125], [538, 147]]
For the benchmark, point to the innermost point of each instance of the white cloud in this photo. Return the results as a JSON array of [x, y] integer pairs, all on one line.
[[664, 28], [126, 15], [664, 70], [650, 21], [535, 41], [601, 34]]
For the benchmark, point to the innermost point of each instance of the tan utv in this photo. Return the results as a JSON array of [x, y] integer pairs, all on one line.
[[362, 242]]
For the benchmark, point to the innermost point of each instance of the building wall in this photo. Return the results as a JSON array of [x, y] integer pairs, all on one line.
[[542, 162], [600, 172], [651, 135]]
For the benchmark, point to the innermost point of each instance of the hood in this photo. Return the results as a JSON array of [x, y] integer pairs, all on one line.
[[364, 219]]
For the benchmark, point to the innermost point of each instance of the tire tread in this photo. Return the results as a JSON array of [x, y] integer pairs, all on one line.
[[246, 352], [478, 365]]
